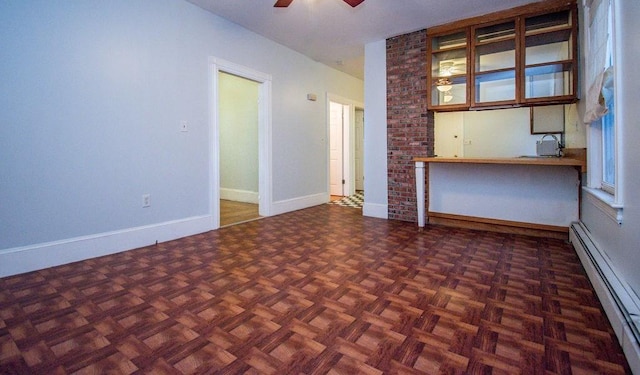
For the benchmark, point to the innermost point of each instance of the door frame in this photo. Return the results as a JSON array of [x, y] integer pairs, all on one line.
[[355, 151], [217, 65], [348, 140]]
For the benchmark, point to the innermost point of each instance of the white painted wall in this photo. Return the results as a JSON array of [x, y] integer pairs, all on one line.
[[91, 101], [499, 133], [545, 195], [622, 242], [375, 123], [238, 127]]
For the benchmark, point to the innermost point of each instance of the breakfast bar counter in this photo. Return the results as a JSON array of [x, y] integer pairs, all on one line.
[[528, 194], [521, 160]]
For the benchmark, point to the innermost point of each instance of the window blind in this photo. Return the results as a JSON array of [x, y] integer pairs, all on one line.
[[597, 14]]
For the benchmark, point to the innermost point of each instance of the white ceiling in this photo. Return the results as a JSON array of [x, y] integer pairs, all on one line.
[[334, 33]]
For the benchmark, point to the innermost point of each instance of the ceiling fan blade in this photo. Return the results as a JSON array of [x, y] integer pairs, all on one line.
[[282, 3], [353, 3]]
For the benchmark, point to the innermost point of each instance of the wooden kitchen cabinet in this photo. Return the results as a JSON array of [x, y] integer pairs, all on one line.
[[520, 57]]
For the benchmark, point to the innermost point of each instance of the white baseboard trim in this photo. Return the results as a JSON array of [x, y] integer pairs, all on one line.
[[237, 195], [620, 304], [295, 204], [23, 259], [375, 210]]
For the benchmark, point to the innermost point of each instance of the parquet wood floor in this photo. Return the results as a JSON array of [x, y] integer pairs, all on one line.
[[317, 291]]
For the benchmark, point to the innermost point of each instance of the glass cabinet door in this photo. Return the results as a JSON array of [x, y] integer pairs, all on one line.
[[549, 56], [449, 69], [495, 63]]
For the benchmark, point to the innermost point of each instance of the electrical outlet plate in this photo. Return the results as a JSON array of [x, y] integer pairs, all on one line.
[[184, 126]]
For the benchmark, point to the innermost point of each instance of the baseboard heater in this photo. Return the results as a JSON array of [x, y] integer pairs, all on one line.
[[620, 303]]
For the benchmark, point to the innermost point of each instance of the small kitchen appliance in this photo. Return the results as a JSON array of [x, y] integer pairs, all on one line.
[[548, 147]]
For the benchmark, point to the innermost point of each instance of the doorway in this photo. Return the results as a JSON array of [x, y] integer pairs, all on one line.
[[238, 132], [346, 140], [239, 186], [338, 139]]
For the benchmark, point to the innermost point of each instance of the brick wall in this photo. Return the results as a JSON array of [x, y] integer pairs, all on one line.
[[410, 130]]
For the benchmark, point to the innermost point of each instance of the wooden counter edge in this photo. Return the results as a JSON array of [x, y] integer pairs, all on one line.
[[551, 161]]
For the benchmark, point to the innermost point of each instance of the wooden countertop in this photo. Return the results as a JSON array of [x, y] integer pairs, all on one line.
[[563, 161]]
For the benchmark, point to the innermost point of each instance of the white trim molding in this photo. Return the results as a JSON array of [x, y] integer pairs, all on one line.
[[238, 195], [18, 260], [295, 204]]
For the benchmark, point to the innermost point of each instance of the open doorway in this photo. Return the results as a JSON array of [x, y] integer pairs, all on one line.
[[238, 134], [346, 140], [252, 138]]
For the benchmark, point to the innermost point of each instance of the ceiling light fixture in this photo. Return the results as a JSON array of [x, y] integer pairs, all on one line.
[[444, 84], [445, 69]]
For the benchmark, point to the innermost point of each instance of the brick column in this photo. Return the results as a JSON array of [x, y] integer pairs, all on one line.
[[410, 129]]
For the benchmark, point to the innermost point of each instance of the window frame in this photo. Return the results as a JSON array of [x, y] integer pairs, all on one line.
[[604, 195]]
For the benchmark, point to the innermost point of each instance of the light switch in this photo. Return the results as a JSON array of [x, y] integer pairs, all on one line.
[[146, 200]]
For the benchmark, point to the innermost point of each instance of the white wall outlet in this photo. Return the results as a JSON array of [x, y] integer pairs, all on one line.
[[467, 141], [146, 200], [184, 126]]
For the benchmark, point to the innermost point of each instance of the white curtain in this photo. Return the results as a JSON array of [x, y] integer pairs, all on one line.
[[597, 16]]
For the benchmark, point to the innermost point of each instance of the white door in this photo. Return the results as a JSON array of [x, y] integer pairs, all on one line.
[[449, 134], [359, 149], [336, 163]]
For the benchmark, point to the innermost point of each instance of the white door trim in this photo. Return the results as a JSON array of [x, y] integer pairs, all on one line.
[[264, 135], [358, 150]]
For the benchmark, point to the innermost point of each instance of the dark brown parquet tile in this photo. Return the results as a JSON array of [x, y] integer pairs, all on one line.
[[317, 291]]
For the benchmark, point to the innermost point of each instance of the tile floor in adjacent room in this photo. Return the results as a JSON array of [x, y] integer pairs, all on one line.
[[317, 291], [354, 201]]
